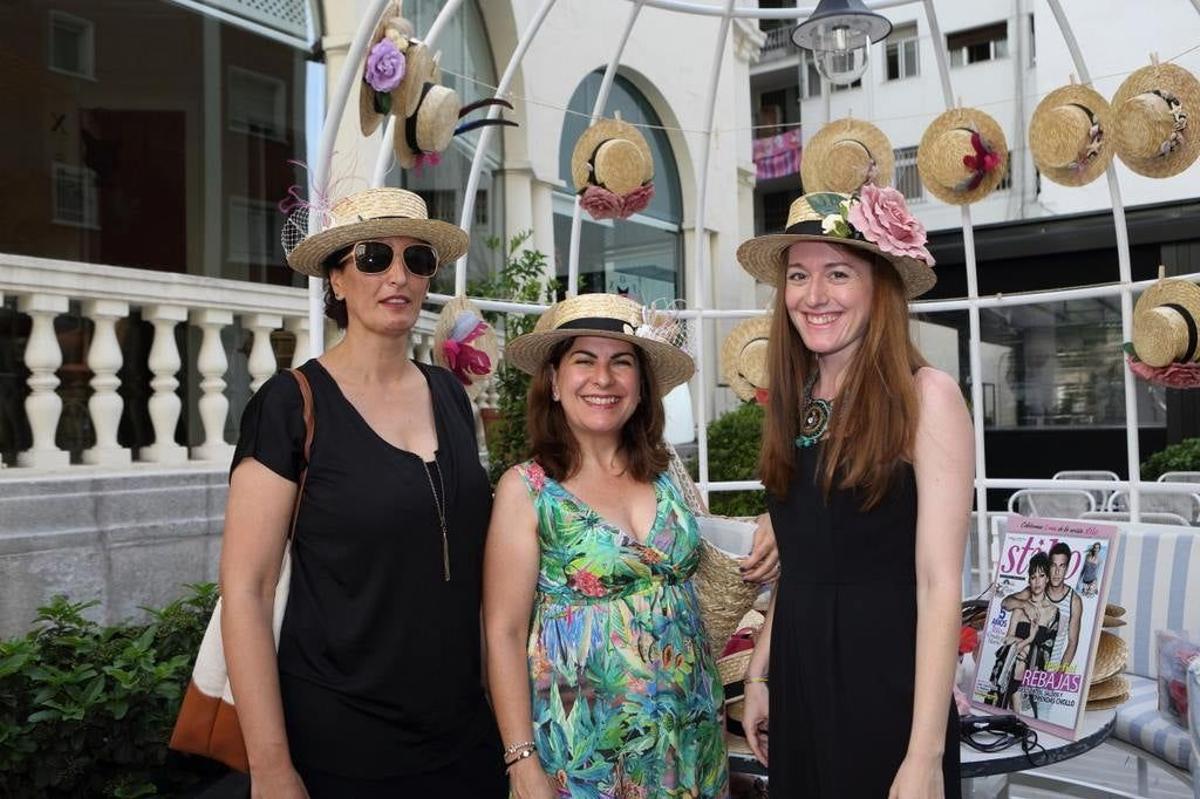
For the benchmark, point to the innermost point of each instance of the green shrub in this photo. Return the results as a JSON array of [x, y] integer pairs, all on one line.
[[86, 710], [1181, 457], [734, 439]]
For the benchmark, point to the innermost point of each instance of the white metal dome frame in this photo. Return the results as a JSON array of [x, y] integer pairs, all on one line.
[[727, 12]]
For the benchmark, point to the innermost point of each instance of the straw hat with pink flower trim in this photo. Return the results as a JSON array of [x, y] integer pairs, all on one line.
[[875, 220]]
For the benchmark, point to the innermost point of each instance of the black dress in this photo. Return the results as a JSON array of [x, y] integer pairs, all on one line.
[[379, 656], [843, 641]]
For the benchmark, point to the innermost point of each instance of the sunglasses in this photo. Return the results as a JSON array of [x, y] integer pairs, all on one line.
[[375, 257]]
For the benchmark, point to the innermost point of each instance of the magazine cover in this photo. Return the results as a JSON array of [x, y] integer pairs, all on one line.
[[1043, 623]]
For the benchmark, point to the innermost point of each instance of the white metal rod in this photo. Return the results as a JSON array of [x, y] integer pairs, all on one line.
[[485, 134], [610, 74], [383, 161], [1040, 297], [700, 243], [1010, 483], [320, 171], [968, 231], [1132, 449], [504, 306], [758, 13]]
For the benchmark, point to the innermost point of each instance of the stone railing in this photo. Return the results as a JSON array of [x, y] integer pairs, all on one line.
[[105, 300]]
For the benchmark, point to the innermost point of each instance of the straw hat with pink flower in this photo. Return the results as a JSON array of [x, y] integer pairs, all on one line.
[[962, 156], [875, 220], [613, 170]]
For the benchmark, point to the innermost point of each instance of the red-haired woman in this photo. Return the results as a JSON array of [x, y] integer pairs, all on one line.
[[868, 461]]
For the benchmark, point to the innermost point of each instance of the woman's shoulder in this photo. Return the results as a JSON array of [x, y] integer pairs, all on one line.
[[934, 384], [281, 391]]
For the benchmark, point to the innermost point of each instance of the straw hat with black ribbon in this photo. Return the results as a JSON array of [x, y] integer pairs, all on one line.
[[1071, 135], [386, 65], [374, 214], [1165, 322], [660, 335], [962, 156], [744, 358], [1157, 120], [876, 220], [465, 343], [845, 154], [612, 169]]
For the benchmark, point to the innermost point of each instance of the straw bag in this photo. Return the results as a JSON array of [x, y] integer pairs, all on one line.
[[207, 723], [724, 596]]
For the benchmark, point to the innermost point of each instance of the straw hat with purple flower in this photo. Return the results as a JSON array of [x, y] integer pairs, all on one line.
[[385, 68]]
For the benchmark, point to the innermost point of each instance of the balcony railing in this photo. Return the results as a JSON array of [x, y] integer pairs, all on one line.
[[87, 365], [777, 45]]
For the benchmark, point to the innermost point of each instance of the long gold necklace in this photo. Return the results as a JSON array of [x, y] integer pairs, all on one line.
[[440, 505]]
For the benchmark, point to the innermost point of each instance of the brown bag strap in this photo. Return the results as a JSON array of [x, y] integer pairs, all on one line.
[[309, 427]]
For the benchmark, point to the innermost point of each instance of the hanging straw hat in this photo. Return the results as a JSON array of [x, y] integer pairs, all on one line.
[[845, 154], [1070, 135], [465, 343], [1157, 120], [613, 154], [1112, 653], [398, 30], [834, 218], [963, 156], [744, 357], [1165, 323], [660, 335], [374, 214]]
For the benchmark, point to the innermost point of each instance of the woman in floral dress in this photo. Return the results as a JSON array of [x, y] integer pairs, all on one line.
[[601, 676]]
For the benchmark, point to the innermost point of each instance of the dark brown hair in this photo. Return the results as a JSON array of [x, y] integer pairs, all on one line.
[[874, 419], [335, 309], [553, 445]]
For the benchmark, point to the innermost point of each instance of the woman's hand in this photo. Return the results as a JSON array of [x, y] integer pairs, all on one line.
[[755, 710], [527, 780], [919, 777], [762, 564], [282, 783]]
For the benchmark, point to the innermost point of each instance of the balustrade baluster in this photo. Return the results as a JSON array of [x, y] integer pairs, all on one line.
[[104, 359], [43, 356], [212, 364], [165, 405]]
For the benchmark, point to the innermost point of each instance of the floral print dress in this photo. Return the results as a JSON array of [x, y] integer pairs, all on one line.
[[626, 698]]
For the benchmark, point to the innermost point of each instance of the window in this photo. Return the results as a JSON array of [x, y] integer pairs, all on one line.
[[902, 52], [74, 196], [254, 231], [72, 43], [257, 104], [906, 179], [978, 44], [1007, 182], [481, 207], [841, 87], [810, 78]]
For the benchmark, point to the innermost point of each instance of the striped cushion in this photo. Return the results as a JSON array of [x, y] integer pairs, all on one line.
[[1193, 683], [1140, 723], [1157, 579]]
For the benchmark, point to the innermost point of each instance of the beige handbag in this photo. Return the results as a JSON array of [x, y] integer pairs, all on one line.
[[207, 723]]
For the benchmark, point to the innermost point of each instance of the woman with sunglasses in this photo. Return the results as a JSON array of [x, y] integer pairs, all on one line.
[[388, 546]]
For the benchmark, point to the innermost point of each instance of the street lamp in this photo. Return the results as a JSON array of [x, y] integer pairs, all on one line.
[[839, 33]]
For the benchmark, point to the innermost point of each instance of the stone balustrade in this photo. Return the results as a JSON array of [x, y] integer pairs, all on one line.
[[212, 318]]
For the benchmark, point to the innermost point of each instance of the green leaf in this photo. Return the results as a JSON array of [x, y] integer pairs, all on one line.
[[382, 102], [825, 203]]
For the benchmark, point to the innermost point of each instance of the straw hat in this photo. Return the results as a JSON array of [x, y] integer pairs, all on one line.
[[812, 215], [1070, 135], [732, 668], [1107, 689], [744, 357], [659, 335], [1165, 323], [1157, 112], [461, 326], [1113, 621], [1107, 704], [844, 155], [613, 154], [948, 146], [374, 214], [1111, 655], [395, 27], [1113, 609]]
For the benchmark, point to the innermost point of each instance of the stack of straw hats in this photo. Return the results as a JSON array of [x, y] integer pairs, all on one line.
[[1108, 687], [732, 670]]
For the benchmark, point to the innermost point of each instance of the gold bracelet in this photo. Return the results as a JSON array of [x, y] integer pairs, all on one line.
[[512, 750], [763, 679]]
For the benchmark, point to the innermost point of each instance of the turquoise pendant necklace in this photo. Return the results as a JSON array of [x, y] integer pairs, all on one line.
[[815, 419]]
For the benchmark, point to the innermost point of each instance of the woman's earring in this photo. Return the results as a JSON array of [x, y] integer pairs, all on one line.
[[554, 393]]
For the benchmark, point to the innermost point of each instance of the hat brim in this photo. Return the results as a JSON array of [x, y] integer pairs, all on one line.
[[813, 172], [368, 118], [597, 134], [450, 241], [423, 69], [962, 119], [1184, 85], [746, 331], [1088, 98], [1165, 292], [670, 365], [762, 257], [487, 342]]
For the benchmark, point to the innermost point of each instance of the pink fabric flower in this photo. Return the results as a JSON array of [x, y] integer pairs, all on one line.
[[587, 584], [426, 159], [463, 359], [1175, 375], [982, 162], [386, 66], [600, 203], [882, 217], [637, 200]]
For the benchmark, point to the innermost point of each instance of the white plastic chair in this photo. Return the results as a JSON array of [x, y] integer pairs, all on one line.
[[1060, 504], [1179, 477], [1100, 494], [1153, 517], [1182, 503]]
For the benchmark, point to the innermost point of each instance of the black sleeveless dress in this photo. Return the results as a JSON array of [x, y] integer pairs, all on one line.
[[843, 641]]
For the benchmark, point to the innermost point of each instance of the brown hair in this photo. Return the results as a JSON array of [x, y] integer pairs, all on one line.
[[874, 420], [553, 445]]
